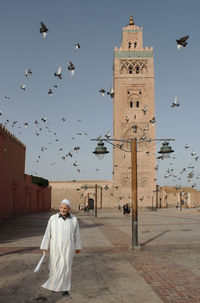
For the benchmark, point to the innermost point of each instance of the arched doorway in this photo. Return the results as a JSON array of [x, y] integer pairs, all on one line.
[[91, 203]]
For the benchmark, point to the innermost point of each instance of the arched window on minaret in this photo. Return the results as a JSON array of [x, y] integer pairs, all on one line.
[[135, 44], [137, 69], [131, 104], [129, 45], [137, 104], [143, 182], [130, 69]]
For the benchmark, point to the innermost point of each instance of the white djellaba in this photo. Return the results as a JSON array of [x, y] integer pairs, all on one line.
[[62, 237]]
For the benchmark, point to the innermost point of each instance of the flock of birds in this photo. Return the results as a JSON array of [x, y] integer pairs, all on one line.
[[42, 125], [178, 176]]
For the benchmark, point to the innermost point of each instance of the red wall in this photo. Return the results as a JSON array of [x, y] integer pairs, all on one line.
[[18, 194]]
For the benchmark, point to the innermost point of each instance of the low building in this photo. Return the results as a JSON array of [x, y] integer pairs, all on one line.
[[170, 196]]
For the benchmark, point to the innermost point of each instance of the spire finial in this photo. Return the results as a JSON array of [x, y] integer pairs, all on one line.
[[131, 22]]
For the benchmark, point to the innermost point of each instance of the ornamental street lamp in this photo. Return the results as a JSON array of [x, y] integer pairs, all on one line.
[[101, 150]]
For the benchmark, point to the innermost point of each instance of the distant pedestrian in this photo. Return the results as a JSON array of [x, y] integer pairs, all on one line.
[[62, 236], [126, 209]]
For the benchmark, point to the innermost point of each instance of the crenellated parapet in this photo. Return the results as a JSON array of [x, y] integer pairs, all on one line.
[[10, 135]]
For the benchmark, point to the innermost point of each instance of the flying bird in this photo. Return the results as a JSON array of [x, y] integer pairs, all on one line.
[[58, 74], [175, 103], [77, 46], [186, 146], [43, 29], [27, 73], [153, 120], [102, 91], [23, 87], [71, 67], [69, 154], [144, 109], [182, 42], [108, 135], [44, 119], [50, 92], [111, 92]]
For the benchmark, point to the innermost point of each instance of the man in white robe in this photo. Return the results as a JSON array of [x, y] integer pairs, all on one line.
[[62, 237]]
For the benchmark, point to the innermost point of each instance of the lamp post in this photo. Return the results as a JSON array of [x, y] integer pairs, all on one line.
[[100, 152], [85, 187]]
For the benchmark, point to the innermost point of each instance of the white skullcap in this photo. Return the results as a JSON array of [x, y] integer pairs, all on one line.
[[65, 201]]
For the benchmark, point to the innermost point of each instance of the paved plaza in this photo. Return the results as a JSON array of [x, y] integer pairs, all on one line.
[[166, 269]]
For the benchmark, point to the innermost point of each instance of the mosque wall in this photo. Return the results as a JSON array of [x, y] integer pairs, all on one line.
[[78, 194]]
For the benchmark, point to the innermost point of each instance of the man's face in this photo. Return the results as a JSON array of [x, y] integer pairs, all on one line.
[[64, 209]]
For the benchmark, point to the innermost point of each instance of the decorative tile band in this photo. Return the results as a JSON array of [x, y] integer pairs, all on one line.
[[132, 30], [136, 54]]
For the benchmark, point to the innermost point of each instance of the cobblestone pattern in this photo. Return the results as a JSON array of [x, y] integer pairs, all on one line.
[[172, 282]]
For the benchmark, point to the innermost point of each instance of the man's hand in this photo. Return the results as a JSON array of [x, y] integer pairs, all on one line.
[[77, 251], [44, 250]]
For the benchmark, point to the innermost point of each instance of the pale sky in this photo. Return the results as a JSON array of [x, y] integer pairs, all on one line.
[[97, 26]]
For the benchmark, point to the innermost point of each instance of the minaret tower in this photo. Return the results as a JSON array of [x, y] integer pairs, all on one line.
[[134, 115]]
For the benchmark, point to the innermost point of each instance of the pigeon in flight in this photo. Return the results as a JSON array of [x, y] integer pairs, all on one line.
[[186, 146], [63, 119], [153, 120], [23, 87], [43, 29], [50, 92], [182, 42], [27, 73], [108, 135], [71, 67], [111, 92], [102, 91], [58, 74], [75, 163], [144, 110], [77, 46], [77, 148], [7, 97], [175, 103], [0, 112], [44, 119]]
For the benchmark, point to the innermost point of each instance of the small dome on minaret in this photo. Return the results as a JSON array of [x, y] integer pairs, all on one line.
[[131, 22]]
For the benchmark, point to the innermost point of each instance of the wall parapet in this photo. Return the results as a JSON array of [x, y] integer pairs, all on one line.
[[10, 135]]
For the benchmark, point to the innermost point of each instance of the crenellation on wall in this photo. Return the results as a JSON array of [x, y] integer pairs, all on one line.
[[10, 135]]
